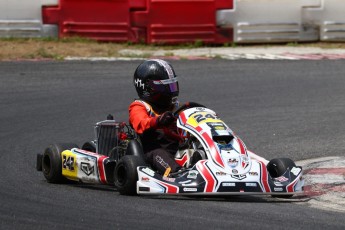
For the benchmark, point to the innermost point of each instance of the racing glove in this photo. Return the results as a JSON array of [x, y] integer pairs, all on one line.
[[165, 119]]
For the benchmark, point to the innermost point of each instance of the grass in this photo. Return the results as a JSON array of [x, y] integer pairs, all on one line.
[[58, 49]]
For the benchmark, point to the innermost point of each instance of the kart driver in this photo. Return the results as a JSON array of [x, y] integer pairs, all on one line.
[[151, 115]]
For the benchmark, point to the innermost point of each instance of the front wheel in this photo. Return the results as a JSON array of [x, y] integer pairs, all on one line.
[[52, 162], [126, 175], [277, 167]]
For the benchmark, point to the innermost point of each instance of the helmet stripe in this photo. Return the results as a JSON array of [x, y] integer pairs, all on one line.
[[166, 66]]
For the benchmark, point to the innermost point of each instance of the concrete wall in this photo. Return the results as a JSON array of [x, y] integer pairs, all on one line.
[[23, 18], [285, 20]]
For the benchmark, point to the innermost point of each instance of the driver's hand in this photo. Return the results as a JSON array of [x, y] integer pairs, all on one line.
[[165, 119]]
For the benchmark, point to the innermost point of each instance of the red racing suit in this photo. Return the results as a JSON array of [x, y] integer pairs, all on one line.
[[159, 143]]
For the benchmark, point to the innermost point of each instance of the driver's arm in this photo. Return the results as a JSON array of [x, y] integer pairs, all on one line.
[[139, 118]]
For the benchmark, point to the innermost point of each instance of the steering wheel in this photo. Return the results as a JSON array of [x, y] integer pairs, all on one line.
[[187, 105]]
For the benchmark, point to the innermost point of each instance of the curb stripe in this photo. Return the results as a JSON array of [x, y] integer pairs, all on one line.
[[336, 171]]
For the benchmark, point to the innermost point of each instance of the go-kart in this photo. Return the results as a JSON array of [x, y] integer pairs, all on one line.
[[214, 161]]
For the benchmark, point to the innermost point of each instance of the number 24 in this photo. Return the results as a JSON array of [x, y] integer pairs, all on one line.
[[200, 117]]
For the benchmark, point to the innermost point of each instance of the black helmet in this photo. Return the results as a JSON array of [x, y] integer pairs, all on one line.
[[156, 82]]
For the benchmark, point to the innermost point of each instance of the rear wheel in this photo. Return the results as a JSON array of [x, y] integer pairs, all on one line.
[[52, 162], [277, 167], [126, 175]]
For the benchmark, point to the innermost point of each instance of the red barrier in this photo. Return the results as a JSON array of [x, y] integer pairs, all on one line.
[[149, 21], [103, 20], [181, 21]]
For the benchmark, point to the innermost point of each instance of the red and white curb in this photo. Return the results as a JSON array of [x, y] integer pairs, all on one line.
[[134, 58], [285, 56], [251, 53], [324, 183]]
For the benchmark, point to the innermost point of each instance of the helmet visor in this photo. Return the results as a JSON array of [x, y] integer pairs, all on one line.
[[165, 86]]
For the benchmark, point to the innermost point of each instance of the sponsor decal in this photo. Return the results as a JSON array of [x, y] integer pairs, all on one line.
[[233, 162], [169, 179], [148, 171], [253, 173], [295, 171], [251, 184], [220, 173], [228, 184], [192, 174], [190, 189], [68, 162], [281, 179], [145, 179], [162, 162], [278, 189], [87, 168]]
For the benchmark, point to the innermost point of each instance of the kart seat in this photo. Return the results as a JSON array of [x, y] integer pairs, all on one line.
[[135, 148]]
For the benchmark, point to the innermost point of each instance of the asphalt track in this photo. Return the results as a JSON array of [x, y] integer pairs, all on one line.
[[279, 108]]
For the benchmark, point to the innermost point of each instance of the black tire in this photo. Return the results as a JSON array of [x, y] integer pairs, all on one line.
[[52, 162], [126, 176], [277, 167], [89, 146]]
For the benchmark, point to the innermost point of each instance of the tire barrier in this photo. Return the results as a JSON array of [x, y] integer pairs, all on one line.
[[176, 21]]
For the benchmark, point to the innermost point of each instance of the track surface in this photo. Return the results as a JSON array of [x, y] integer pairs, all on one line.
[[279, 108]]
